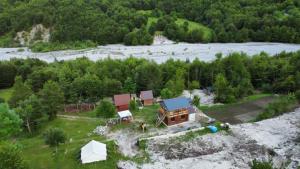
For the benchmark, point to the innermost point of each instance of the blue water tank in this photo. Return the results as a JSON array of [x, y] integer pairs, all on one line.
[[213, 129]]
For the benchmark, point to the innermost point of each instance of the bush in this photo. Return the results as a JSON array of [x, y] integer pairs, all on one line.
[[106, 109], [132, 105], [196, 101], [10, 157], [53, 46], [54, 136], [261, 164], [297, 95], [2, 100]]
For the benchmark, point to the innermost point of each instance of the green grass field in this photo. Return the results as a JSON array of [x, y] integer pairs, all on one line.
[[40, 156], [6, 93], [192, 25]]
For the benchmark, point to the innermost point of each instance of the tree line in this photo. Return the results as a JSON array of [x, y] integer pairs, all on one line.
[[41, 89], [109, 22]]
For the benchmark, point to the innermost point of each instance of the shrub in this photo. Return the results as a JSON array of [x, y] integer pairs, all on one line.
[[54, 136], [261, 164], [297, 95], [10, 157], [106, 109], [196, 101], [2, 100], [132, 105]]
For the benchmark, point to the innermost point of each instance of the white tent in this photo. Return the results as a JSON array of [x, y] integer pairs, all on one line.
[[125, 113], [93, 151]]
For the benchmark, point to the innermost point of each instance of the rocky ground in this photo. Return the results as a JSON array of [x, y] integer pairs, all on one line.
[[276, 139]]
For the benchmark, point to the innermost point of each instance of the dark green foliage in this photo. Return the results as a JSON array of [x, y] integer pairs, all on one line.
[[196, 101], [224, 92], [10, 157], [166, 93], [53, 46], [278, 107], [10, 122], [8, 73], [261, 164], [52, 99], [138, 37], [129, 85], [21, 91], [297, 95], [30, 110], [54, 137], [133, 105], [2, 100], [106, 109]]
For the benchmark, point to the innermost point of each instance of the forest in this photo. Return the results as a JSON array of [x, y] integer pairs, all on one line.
[[39, 90], [109, 22]]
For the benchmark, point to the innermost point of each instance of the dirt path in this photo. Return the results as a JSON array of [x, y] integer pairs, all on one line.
[[76, 117], [241, 113]]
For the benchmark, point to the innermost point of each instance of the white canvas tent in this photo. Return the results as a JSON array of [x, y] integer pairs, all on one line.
[[93, 151]]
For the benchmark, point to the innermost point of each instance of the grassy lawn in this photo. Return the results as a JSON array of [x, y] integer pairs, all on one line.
[[192, 25], [148, 114], [40, 156], [91, 114], [6, 93]]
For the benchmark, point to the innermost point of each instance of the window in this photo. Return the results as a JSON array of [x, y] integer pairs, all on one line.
[[182, 116], [173, 119]]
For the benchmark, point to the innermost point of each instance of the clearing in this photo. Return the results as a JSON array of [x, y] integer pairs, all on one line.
[[207, 32], [241, 112]]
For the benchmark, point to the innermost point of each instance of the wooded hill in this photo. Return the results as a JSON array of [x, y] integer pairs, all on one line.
[[108, 22]]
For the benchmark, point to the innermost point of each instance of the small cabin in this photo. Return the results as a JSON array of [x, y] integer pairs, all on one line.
[[122, 101], [174, 111], [146, 97]]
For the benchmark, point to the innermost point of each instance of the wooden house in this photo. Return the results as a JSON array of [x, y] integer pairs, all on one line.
[[122, 101], [173, 111], [146, 97]]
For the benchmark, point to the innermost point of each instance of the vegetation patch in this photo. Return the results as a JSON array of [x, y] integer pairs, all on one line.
[[54, 46]]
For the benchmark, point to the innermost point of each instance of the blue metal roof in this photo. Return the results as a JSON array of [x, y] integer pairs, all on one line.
[[176, 103]]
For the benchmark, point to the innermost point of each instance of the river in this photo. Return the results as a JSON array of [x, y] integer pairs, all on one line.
[[157, 52]]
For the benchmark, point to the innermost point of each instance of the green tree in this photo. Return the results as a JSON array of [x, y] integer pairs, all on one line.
[[30, 110], [54, 137], [10, 157], [196, 101], [106, 109], [166, 93], [20, 91], [8, 73], [10, 122], [129, 85], [52, 99], [223, 91], [132, 105]]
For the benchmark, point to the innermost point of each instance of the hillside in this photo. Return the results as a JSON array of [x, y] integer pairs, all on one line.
[[91, 23]]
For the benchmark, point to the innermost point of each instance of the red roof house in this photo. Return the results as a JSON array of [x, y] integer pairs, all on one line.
[[147, 97], [122, 101]]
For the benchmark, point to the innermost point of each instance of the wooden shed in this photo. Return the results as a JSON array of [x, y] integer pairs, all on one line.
[[122, 101], [147, 97], [173, 111]]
